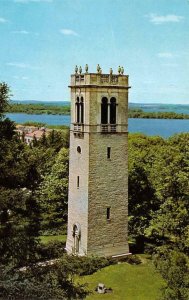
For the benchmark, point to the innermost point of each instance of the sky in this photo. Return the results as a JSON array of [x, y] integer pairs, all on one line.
[[41, 41]]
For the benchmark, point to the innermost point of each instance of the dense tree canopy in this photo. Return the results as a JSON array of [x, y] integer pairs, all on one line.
[[18, 207], [33, 184], [159, 205], [53, 193]]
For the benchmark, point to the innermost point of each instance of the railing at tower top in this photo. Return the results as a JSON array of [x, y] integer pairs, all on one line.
[[79, 78], [108, 128], [114, 79], [99, 79], [78, 127], [104, 78]]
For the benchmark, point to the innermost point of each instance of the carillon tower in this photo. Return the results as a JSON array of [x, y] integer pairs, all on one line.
[[98, 171]]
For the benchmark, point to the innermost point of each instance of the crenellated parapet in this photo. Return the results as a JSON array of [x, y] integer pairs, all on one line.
[[99, 79]]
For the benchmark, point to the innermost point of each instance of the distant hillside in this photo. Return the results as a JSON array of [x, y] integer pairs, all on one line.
[[63, 108], [159, 107], [38, 108], [56, 103], [145, 107]]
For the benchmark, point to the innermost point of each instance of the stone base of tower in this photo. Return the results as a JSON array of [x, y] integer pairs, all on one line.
[[111, 250], [103, 251]]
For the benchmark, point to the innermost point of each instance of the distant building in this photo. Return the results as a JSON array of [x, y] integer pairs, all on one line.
[[29, 137], [98, 170], [25, 129], [28, 133]]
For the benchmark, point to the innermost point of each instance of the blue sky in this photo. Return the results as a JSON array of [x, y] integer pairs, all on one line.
[[41, 41]]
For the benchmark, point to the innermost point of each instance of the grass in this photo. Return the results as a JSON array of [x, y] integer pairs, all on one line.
[[129, 282], [45, 239]]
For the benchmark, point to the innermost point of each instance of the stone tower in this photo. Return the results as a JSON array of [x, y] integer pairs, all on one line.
[[98, 172]]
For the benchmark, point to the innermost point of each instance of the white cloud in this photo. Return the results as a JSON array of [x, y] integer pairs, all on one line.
[[19, 65], [21, 77], [29, 1], [158, 20], [166, 55], [68, 32], [2, 20], [22, 65], [21, 32]]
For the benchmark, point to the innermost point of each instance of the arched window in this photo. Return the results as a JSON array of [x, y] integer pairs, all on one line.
[[82, 110], [77, 110], [104, 111], [113, 110]]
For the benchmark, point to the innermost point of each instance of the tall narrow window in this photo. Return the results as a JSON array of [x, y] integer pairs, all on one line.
[[109, 152], [77, 110], [77, 181], [104, 111], [82, 110], [108, 213], [113, 110]]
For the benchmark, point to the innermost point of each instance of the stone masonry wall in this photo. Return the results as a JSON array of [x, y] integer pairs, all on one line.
[[108, 187], [78, 196]]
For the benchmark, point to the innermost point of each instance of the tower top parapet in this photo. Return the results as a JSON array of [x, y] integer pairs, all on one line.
[[99, 79]]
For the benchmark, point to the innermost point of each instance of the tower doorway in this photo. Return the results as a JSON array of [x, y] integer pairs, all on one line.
[[76, 236]]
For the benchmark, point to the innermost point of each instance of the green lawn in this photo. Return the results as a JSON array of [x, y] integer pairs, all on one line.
[[49, 238], [129, 282]]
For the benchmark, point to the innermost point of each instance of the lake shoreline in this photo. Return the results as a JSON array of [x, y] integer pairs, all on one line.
[[133, 115], [134, 111], [160, 127]]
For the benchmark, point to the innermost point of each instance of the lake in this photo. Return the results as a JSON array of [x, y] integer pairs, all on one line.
[[161, 127]]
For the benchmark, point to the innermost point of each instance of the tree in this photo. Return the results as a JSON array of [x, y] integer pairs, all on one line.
[[53, 193], [58, 139], [18, 207], [174, 268], [170, 224], [55, 281], [159, 205], [142, 202], [142, 198], [172, 189], [43, 140], [21, 171], [19, 225], [4, 97]]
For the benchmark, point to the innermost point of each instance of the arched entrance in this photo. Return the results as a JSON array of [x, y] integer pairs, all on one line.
[[76, 236]]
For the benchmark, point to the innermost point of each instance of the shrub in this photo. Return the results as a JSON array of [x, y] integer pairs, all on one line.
[[53, 249], [47, 282], [84, 265]]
